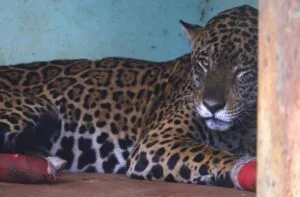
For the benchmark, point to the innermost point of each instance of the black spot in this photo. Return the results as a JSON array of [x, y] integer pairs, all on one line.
[[97, 114], [129, 110], [185, 172], [125, 155], [92, 130], [149, 176], [157, 171], [196, 149], [237, 40], [87, 118], [62, 109], [29, 102], [150, 144], [116, 95], [173, 161], [12, 119], [101, 124], [73, 126], [165, 142], [130, 94], [103, 94], [125, 128], [246, 34], [203, 170], [199, 157], [106, 106], [221, 26], [138, 177], [118, 106], [142, 162], [161, 151], [16, 127], [77, 114], [82, 129], [106, 148], [109, 165], [158, 154], [8, 104], [185, 158], [165, 135], [133, 119], [88, 155], [176, 145], [179, 130], [123, 144], [117, 117], [71, 94], [170, 178], [66, 151], [121, 170], [177, 122], [155, 158], [114, 128]]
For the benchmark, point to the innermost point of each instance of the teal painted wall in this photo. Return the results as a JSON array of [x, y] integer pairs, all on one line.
[[50, 29]]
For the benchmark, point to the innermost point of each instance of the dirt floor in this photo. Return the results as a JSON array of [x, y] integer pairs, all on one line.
[[98, 185]]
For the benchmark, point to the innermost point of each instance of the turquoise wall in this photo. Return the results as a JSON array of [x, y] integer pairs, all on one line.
[[49, 29]]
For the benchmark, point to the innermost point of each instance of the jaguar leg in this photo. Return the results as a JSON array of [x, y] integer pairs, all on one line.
[[170, 153], [26, 123]]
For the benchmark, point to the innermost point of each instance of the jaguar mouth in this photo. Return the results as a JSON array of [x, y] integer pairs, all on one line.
[[217, 124]]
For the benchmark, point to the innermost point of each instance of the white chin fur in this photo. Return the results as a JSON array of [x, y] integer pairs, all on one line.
[[217, 125], [220, 122]]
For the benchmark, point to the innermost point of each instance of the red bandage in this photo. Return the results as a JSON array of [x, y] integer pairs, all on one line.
[[28, 169], [247, 176], [243, 174]]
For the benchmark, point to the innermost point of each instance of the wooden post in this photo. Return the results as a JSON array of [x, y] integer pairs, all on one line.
[[279, 99]]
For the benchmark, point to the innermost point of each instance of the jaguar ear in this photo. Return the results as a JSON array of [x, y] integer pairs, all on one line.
[[192, 32]]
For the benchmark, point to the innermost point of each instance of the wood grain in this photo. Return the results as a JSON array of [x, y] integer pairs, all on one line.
[[108, 185], [279, 99]]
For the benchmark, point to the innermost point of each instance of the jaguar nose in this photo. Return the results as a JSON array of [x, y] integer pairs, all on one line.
[[213, 106]]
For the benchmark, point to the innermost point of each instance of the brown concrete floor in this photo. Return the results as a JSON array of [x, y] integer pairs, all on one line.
[[98, 185]]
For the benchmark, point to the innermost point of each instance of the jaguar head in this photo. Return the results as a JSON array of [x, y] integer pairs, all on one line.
[[224, 65]]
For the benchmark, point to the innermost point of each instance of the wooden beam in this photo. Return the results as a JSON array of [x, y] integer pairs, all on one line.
[[279, 99]]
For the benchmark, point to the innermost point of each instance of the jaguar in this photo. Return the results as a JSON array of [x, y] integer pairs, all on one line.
[[186, 120]]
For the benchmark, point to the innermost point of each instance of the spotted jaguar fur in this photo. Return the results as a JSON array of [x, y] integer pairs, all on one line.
[[186, 120]]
